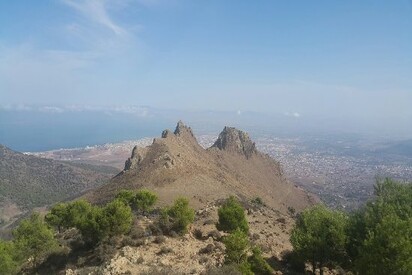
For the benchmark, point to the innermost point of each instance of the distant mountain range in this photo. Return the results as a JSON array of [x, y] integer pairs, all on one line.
[[27, 181]]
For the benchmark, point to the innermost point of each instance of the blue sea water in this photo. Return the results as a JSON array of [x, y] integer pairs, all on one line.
[[40, 131]]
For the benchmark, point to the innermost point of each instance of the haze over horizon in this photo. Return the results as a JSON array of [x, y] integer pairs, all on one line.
[[346, 61]]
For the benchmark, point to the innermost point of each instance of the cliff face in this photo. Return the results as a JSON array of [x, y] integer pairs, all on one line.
[[233, 140], [176, 165]]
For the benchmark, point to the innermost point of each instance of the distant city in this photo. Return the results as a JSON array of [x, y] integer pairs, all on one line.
[[341, 179]]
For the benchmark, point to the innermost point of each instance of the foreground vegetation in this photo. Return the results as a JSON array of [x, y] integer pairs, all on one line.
[[34, 239], [376, 239]]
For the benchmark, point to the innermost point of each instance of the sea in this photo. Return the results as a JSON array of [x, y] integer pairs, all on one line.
[[33, 131]]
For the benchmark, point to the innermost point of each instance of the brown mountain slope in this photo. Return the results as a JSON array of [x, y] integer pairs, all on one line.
[[27, 182], [176, 165]]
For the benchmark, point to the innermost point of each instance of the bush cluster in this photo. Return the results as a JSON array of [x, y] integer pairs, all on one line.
[[248, 259], [93, 222], [376, 239], [177, 217], [241, 253], [32, 239], [232, 216], [143, 200]]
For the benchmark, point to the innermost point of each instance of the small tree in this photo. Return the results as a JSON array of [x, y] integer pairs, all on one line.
[[237, 247], [387, 248], [77, 212], [232, 216], [380, 234], [178, 216], [58, 216], [319, 236], [33, 238], [8, 262], [118, 217], [237, 251], [144, 200], [258, 264], [93, 222], [127, 196], [93, 225], [88, 219]]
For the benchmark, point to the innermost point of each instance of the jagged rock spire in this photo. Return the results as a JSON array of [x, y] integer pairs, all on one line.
[[138, 154], [234, 140], [182, 129], [185, 132]]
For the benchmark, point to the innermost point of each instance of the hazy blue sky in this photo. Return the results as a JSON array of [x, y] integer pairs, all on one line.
[[332, 58]]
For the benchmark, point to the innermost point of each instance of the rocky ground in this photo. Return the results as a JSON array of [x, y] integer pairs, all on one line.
[[197, 251]]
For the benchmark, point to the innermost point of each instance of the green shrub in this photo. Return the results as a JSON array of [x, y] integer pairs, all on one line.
[[77, 212], [93, 225], [93, 222], [380, 233], [164, 223], [232, 216], [258, 264], [80, 214], [237, 247], [245, 268], [319, 236], [127, 196], [237, 250], [8, 261], [33, 238], [118, 217], [177, 217], [387, 249], [58, 216], [144, 200], [99, 223]]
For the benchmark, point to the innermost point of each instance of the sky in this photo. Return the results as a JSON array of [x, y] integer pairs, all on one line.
[[338, 59]]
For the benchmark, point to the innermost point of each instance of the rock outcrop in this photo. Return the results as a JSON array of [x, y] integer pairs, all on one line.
[[182, 129], [136, 158], [234, 140]]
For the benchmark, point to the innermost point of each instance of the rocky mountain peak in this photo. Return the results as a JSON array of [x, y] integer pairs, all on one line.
[[234, 140], [182, 129], [184, 132]]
